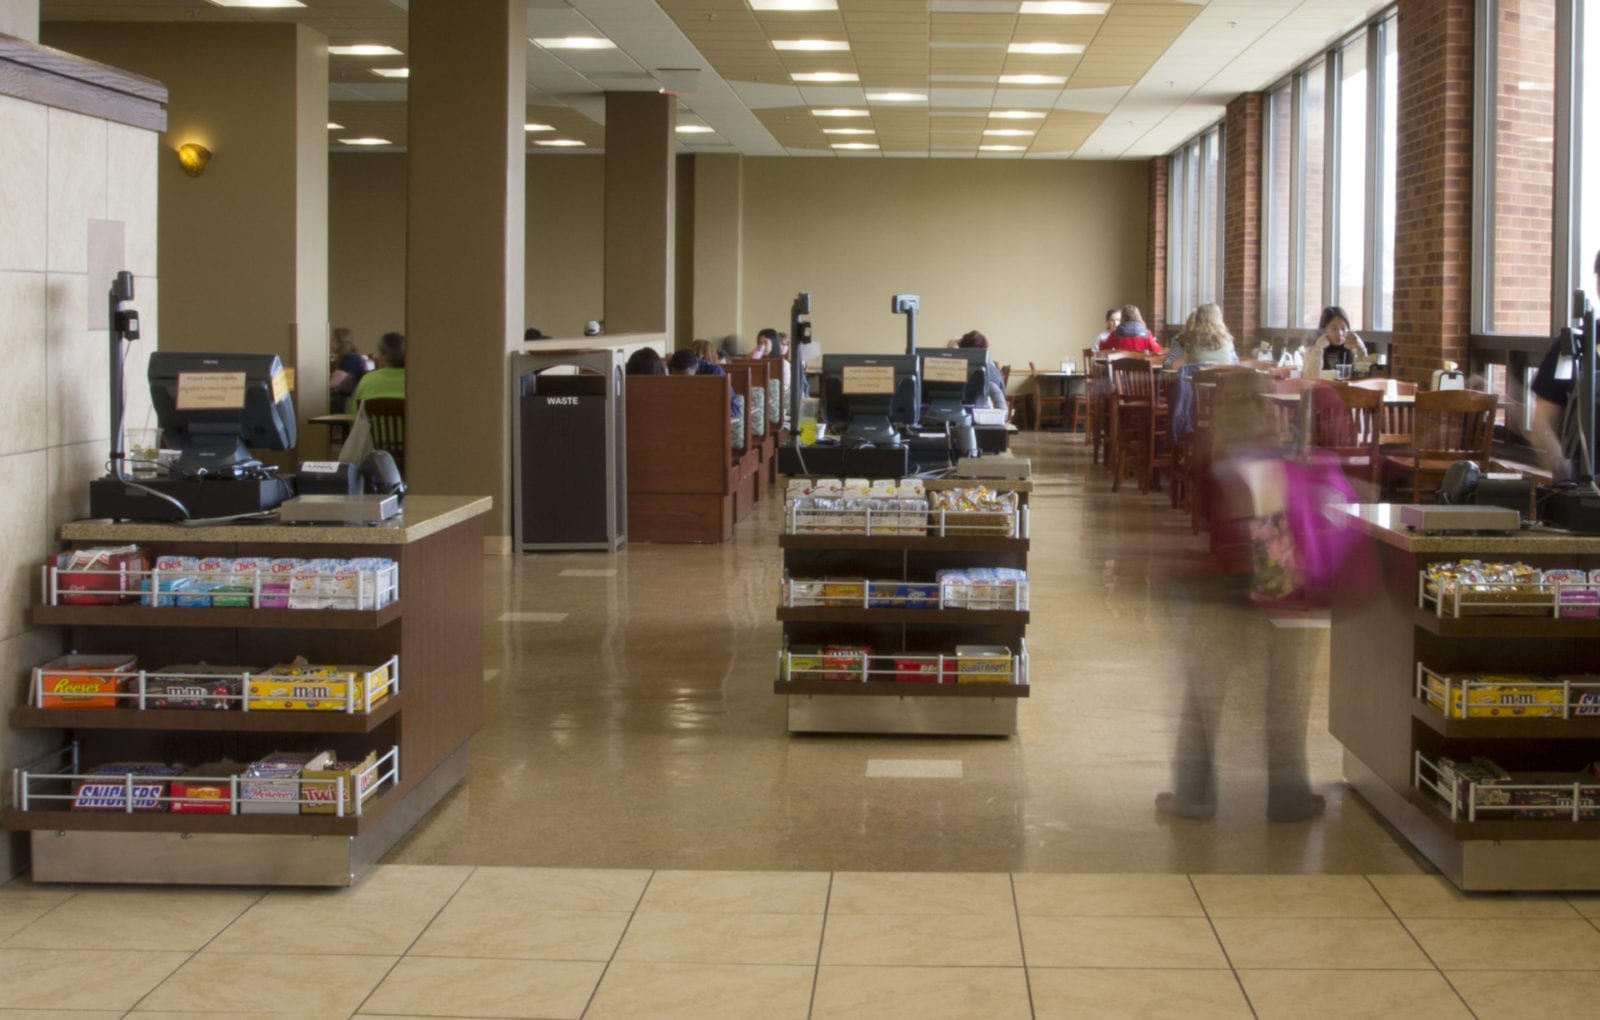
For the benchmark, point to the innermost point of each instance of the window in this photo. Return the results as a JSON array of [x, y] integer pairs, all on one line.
[[1587, 185], [1514, 267], [1386, 112], [1311, 174], [1277, 180], [1350, 242], [1194, 225]]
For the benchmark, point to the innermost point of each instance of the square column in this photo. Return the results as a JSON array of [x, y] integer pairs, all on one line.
[[641, 183]]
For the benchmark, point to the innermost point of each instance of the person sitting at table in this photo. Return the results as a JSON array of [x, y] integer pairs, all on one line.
[[706, 355], [645, 361], [1131, 334], [766, 340], [994, 391], [1337, 344], [1205, 340], [388, 380], [348, 367], [1113, 320]]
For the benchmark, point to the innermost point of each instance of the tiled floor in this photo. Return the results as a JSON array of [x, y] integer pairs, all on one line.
[[560, 943]]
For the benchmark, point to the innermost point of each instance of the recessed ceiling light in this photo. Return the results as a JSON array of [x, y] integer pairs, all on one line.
[[258, 3], [847, 131], [364, 50], [794, 5], [559, 143], [576, 42], [1033, 79], [896, 97], [365, 141], [694, 129], [537, 127], [855, 145], [1045, 48], [1015, 114], [1008, 133], [825, 76], [335, 127], [1002, 148], [392, 72], [1062, 7], [839, 111], [811, 45]]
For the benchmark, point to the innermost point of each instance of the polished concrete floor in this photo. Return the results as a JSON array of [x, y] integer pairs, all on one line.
[[631, 721]]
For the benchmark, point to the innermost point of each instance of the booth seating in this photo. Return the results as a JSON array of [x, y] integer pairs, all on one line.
[[684, 481], [765, 375], [750, 459]]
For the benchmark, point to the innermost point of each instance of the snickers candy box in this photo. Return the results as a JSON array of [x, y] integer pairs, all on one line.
[[107, 788]]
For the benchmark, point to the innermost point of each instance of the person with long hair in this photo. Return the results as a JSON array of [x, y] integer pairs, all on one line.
[[1206, 340], [1131, 334], [1337, 344]]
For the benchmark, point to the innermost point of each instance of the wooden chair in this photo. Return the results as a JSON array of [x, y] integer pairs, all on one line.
[[1099, 389], [1048, 408], [1343, 423], [1138, 441], [1449, 425], [388, 420]]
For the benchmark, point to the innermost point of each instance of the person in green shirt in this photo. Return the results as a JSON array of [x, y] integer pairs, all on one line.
[[388, 380]]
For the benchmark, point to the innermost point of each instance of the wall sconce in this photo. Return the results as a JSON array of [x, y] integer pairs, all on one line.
[[194, 157]]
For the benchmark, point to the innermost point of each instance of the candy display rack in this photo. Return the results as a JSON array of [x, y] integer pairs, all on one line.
[[429, 630]]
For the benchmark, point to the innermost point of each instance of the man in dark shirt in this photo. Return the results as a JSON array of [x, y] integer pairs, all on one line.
[[1552, 390]]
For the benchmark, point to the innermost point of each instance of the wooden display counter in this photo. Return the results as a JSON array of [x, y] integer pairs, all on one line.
[[1381, 638], [435, 629]]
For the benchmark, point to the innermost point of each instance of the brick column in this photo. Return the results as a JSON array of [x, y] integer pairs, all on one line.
[[1433, 184], [1155, 261], [1241, 212]]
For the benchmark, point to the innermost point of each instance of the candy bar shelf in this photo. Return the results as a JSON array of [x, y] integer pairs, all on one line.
[[885, 553], [1383, 646], [433, 632]]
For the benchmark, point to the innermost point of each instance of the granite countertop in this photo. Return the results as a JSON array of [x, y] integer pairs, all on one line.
[[1382, 522], [420, 517]]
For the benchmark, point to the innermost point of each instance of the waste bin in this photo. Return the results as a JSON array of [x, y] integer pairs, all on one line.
[[569, 462]]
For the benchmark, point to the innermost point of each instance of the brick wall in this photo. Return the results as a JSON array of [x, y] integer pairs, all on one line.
[[1155, 308], [1241, 210], [1524, 166], [1433, 186]]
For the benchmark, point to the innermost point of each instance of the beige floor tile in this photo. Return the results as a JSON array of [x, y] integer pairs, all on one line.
[[381, 915], [1106, 896], [61, 1014], [1352, 994], [579, 889], [1518, 994], [59, 979], [1434, 896], [1087, 994], [266, 982], [700, 991], [921, 993], [1587, 905], [1329, 943], [486, 988], [1147, 942], [164, 1014], [509, 931], [1289, 896], [922, 940], [890, 892], [148, 918], [1509, 945], [737, 892], [22, 903], [663, 937]]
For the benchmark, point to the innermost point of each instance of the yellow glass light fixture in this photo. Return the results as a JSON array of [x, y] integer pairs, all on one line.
[[194, 157]]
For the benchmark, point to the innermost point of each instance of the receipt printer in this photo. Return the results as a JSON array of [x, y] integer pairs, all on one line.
[[328, 478]]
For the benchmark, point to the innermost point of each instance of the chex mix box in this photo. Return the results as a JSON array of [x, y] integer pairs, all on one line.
[[82, 681], [108, 788], [303, 687]]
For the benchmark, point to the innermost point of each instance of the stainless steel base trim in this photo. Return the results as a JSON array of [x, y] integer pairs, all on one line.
[[956, 717]]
